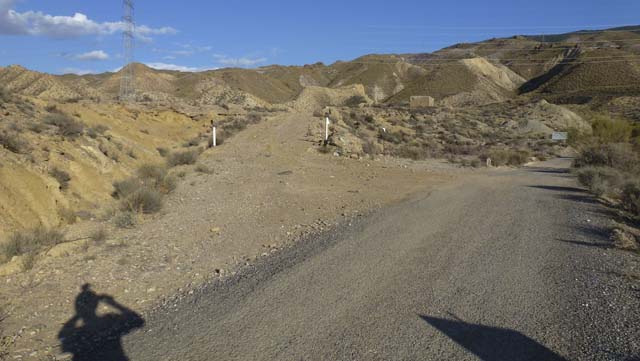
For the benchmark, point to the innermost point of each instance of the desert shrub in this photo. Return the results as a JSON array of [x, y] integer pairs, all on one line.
[[391, 137], [13, 142], [98, 235], [369, 147], [473, 163], [96, 131], [125, 219], [29, 261], [194, 142], [51, 108], [600, 180], [201, 168], [162, 151], [354, 101], [37, 127], [183, 158], [507, 157], [68, 215], [630, 197], [236, 125], [617, 155], [412, 152], [144, 200], [33, 240], [67, 126], [609, 130], [4, 95], [143, 193], [62, 177], [124, 188], [254, 118]]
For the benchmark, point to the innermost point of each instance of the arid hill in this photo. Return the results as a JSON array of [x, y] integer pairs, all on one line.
[[572, 68]]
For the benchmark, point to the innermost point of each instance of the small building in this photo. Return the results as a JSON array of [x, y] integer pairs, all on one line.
[[421, 102]]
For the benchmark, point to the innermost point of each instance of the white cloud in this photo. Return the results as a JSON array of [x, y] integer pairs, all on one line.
[[238, 62], [92, 56], [39, 24], [77, 71], [186, 69]]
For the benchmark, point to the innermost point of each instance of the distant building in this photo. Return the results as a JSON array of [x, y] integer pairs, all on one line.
[[422, 102]]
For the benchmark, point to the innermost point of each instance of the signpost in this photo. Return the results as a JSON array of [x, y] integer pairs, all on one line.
[[326, 131]]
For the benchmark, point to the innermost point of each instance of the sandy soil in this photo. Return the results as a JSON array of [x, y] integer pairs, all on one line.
[[269, 186]]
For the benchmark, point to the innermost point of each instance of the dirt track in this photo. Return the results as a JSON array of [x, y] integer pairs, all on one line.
[[509, 265]]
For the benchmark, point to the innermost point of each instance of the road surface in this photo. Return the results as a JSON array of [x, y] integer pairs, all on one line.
[[503, 265]]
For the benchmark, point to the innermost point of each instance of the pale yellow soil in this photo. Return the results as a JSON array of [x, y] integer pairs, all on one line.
[[269, 186]]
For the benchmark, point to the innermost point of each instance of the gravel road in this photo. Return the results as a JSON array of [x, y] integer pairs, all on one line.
[[502, 265]]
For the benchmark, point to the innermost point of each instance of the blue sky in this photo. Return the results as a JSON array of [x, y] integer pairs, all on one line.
[[81, 36]]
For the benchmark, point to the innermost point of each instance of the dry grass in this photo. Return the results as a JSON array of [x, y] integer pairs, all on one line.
[[30, 241], [201, 168], [13, 142], [66, 126], [125, 219], [99, 235], [144, 200], [601, 180], [186, 157], [614, 155], [144, 192], [507, 157]]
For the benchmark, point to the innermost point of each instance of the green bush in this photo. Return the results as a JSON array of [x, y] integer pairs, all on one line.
[[631, 197], [609, 130], [67, 126], [183, 158], [620, 156]]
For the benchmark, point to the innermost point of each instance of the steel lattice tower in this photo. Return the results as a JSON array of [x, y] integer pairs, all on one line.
[[127, 82]]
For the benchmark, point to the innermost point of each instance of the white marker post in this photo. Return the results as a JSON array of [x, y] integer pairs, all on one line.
[[214, 137], [326, 131]]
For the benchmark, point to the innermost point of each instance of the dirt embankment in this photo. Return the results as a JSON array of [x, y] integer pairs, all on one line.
[[59, 160]]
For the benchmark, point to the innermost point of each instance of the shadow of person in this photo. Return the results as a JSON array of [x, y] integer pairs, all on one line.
[[493, 343], [89, 336]]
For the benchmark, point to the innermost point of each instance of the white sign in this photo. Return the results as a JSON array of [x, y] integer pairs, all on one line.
[[559, 136]]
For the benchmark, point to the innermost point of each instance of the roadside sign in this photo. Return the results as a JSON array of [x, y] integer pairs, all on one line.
[[560, 136]]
